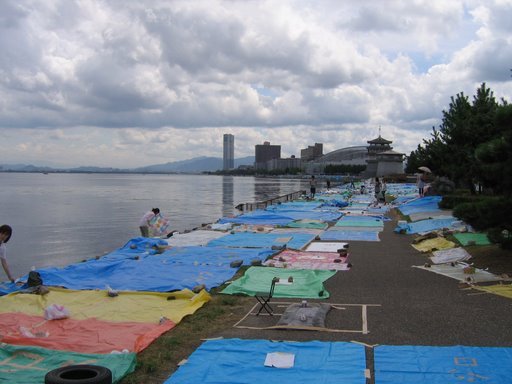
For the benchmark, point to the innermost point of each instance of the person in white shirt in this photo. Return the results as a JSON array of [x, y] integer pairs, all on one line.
[[145, 220], [5, 235]]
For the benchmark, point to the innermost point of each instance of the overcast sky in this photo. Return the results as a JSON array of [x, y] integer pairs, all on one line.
[[131, 83]]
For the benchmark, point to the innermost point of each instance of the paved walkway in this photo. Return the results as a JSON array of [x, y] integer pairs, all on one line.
[[413, 306]]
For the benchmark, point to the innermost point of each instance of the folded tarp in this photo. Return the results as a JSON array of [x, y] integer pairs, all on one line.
[[88, 336], [308, 260], [307, 284], [428, 225], [30, 364], [175, 269], [442, 365], [243, 362], [433, 244], [350, 235], [423, 204], [293, 240], [472, 238], [144, 307], [450, 255], [456, 272]]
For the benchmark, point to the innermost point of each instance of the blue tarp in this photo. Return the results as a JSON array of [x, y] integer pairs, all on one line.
[[424, 204], [263, 240], [242, 362], [175, 269], [340, 235], [427, 225], [259, 217], [442, 365]]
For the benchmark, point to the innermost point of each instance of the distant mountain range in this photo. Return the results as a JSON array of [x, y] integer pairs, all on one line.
[[195, 165]]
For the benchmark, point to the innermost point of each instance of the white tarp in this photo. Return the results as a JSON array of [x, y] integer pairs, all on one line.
[[194, 238], [450, 255], [325, 246], [457, 272]]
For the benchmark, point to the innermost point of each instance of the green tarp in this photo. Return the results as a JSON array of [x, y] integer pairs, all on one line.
[[306, 284], [478, 238], [20, 364]]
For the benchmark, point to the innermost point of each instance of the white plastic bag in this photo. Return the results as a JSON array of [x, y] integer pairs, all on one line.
[[56, 312]]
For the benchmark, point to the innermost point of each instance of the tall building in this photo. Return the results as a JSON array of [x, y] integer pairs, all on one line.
[[229, 152], [312, 152], [265, 152]]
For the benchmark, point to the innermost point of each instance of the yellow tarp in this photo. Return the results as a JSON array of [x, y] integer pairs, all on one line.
[[436, 243], [502, 290], [147, 307]]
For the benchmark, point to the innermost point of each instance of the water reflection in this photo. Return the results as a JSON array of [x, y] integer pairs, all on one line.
[[227, 195]]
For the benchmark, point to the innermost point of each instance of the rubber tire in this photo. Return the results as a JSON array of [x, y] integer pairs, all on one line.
[[79, 374]]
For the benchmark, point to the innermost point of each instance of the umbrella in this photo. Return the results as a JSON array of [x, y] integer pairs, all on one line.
[[425, 169]]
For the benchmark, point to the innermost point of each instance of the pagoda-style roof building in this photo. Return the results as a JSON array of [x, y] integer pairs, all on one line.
[[382, 160]]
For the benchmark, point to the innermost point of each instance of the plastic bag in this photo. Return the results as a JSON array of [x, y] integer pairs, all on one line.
[[56, 312]]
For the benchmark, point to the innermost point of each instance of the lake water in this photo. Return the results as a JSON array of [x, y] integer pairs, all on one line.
[[58, 219]]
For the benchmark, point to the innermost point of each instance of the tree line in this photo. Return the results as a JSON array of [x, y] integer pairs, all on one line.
[[473, 148]]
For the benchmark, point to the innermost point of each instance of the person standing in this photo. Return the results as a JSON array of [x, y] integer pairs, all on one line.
[[421, 184], [5, 235], [378, 188], [383, 188], [312, 186], [328, 183], [145, 221]]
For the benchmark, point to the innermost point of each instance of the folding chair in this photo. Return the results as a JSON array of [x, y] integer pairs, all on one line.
[[264, 298]]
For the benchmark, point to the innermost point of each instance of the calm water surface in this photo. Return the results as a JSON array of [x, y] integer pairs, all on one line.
[[59, 219]]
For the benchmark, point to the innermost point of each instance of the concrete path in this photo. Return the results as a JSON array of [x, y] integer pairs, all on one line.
[[404, 305]]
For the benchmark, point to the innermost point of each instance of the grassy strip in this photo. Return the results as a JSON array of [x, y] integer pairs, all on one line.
[[157, 362]]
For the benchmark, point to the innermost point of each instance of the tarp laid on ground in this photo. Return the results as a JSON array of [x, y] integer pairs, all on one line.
[[500, 289], [436, 243], [308, 223], [457, 272], [243, 362], [442, 365], [145, 307], [323, 215], [263, 240], [193, 238], [175, 269], [326, 246], [424, 204], [308, 260], [258, 217], [360, 221], [88, 336], [430, 214], [337, 234], [450, 255], [23, 364], [470, 237], [307, 284], [428, 225]]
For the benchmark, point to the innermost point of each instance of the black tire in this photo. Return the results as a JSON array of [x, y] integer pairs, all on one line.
[[79, 374]]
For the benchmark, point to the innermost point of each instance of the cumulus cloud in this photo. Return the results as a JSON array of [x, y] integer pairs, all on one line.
[[127, 84]]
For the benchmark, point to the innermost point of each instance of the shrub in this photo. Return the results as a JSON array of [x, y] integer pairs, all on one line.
[[451, 201], [485, 213], [501, 236]]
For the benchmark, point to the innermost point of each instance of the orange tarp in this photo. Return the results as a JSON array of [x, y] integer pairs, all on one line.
[[86, 336]]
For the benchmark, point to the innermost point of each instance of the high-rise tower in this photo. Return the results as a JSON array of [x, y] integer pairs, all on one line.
[[229, 152]]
